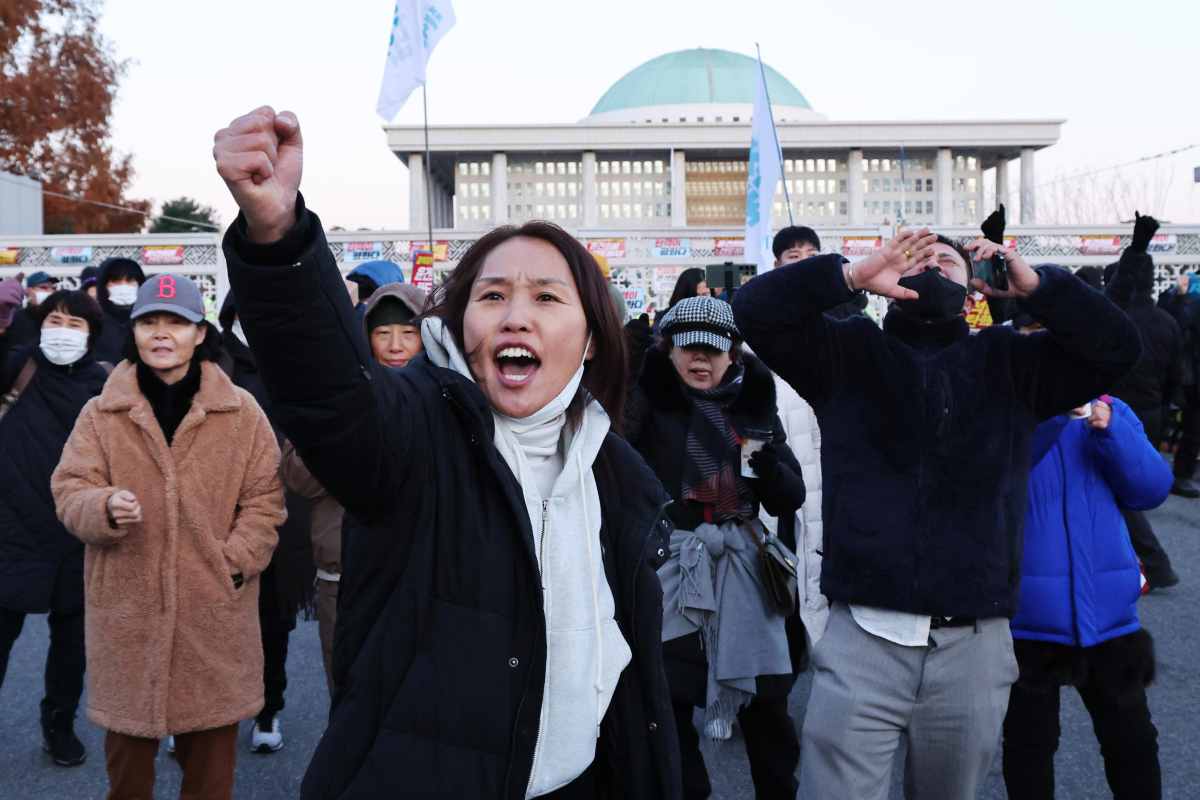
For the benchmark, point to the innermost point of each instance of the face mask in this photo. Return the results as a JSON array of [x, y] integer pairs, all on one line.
[[941, 298], [63, 346], [123, 294], [40, 297], [238, 333]]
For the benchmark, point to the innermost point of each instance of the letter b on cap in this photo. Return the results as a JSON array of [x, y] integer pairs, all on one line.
[[166, 288]]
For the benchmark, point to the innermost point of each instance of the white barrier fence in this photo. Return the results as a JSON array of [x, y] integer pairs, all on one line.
[[645, 263]]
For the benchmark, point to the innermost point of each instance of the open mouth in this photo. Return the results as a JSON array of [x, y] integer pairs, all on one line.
[[516, 365], [700, 374]]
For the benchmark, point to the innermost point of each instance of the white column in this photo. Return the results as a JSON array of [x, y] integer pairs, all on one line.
[[855, 203], [1002, 183], [943, 184], [1028, 207], [499, 188], [590, 216], [678, 189], [418, 209]]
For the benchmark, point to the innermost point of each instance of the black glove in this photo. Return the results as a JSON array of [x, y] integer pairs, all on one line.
[[1144, 229], [779, 488], [993, 226]]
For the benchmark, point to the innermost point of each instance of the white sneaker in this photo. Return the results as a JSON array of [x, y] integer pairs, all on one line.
[[267, 739], [171, 745]]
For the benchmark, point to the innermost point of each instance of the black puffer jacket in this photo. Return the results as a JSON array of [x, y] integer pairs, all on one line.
[[1185, 309], [926, 429], [41, 565], [110, 345], [444, 687], [1157, 376], [292, 570]]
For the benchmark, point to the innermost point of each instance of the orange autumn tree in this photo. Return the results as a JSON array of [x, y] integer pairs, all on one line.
[[58, 80]]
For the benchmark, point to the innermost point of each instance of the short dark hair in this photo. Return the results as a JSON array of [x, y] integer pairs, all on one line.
[[208, 350], [77, 303], [962, 252], [605, 376], [794, 235]]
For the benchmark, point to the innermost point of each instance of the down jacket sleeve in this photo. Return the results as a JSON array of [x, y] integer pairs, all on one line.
[[260, 506], [296, 476], [1138, 476], [330, 398], [81, 484]]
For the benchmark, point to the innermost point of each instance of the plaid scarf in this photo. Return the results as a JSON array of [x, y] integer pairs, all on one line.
[[712, 471]]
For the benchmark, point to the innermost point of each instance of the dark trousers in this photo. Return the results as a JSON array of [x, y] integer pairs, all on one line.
[[1121, 720], [276, 629], [65, 660], [772, 747], [1189, 437], [1149, 550], [206, 757]]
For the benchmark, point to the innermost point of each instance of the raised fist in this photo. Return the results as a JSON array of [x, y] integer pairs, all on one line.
[[260, 157], [1144, 228]]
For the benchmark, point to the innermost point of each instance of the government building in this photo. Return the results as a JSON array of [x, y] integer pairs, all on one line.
[[665, 149]]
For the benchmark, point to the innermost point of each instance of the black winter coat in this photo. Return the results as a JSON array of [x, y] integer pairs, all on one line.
[[41, 564], [114, 333], [657, 417], [1185, 309], [926, 429], [292, 569], [443, 632], [1157, 376]]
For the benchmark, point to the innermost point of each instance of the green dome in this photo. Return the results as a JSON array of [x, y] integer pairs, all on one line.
[[697, 77]]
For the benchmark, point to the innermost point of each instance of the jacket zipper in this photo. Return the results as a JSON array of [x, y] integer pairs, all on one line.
[[1062, 463], [537, 740]]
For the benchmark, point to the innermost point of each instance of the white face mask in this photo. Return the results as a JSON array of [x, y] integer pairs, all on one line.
[[40, 297], [63, 346], [238, 333], [123, 294]]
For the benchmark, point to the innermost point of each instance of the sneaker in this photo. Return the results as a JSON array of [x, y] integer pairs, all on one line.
[[267, 737], [171, 745], [1185, 488], [59, 739]]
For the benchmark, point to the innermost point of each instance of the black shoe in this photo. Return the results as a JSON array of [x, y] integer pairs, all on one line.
[[59, 739], [1185, 488]]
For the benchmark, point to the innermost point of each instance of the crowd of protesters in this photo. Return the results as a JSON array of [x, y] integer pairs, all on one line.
[[549, 549]]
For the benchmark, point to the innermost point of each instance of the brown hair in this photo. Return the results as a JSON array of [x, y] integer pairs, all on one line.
[[605, 376]]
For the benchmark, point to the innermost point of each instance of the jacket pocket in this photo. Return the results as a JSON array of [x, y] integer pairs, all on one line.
[[458, 690], [107, 577]]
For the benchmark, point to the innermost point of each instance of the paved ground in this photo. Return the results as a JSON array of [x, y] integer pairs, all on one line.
[[1173, 616]]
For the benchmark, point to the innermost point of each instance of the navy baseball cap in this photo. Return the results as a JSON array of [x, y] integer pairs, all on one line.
[[170, 294], [38, 278]]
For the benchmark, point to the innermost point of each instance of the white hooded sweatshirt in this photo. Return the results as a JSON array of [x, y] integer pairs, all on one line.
[[585, 651]]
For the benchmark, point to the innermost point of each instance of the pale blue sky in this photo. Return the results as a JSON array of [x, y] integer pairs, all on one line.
[[1123, 75]]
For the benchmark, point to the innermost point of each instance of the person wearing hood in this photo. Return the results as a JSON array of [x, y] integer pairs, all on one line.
[[1077, 623], [286, 585], [503, 638], [117, 285], [170, 478], [1153, 383], [1182, 302], [394, 334], [41, 564], [365, 279], [926, 432], [704, 417]]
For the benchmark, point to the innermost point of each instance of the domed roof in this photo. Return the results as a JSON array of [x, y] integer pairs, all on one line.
[[699, 76]]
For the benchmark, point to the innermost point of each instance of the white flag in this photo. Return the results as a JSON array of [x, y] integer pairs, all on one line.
[[417, 27], [765, 172]]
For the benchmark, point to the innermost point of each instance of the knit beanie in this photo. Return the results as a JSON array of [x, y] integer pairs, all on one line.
[[389, 311]]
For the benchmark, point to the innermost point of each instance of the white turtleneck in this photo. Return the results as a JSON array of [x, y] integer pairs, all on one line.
[[585, 651]]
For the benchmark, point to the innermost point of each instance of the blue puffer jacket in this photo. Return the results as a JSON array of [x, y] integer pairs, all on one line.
[[1080, 579]]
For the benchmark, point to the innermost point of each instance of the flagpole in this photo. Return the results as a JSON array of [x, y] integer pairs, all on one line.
[[428, 166], [783, 175]]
